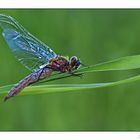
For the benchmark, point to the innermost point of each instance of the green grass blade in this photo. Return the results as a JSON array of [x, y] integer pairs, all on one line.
[[66, 87], [124, 63]]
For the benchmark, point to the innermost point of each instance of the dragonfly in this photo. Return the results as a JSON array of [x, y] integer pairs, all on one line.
[[35, 55]]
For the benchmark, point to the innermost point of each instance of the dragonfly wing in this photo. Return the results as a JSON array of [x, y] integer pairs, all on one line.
[[30, 51]]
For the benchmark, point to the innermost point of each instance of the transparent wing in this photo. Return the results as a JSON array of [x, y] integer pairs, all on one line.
[[30, 51]]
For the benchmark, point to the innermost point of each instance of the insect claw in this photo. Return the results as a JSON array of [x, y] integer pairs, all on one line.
[[79, 75], [82, 76], [84, 65]]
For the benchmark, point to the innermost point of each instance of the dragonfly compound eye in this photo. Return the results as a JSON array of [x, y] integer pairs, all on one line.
[[73, 59], [75, 62]]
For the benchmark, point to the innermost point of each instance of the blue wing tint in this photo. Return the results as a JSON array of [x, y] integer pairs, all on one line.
[[31, 52]]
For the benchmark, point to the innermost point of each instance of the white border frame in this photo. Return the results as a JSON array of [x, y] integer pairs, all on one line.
[[69, 4], [70, 135]]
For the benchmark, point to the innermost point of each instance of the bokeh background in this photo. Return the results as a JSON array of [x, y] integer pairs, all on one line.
[[94, 36]]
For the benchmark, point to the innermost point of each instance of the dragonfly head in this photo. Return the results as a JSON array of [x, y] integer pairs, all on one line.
[[75, 62]]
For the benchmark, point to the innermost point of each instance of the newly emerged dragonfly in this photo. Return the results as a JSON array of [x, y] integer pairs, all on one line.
[[33, 54]]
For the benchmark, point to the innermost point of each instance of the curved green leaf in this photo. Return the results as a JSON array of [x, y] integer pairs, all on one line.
[[66, 87], [124, 63]]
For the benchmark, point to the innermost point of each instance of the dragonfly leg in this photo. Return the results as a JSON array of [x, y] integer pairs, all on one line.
[[49, 67], [85, 65], [78, 75]]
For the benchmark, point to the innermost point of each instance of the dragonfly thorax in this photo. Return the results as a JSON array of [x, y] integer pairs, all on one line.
[[62, 64]]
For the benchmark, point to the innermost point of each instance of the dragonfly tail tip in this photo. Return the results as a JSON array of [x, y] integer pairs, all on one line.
[[6, 98]]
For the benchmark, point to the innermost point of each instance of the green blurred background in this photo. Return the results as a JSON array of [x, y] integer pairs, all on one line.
[[94, 36]]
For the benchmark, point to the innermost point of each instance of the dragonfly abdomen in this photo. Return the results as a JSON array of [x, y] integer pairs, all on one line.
[[30, 79]]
